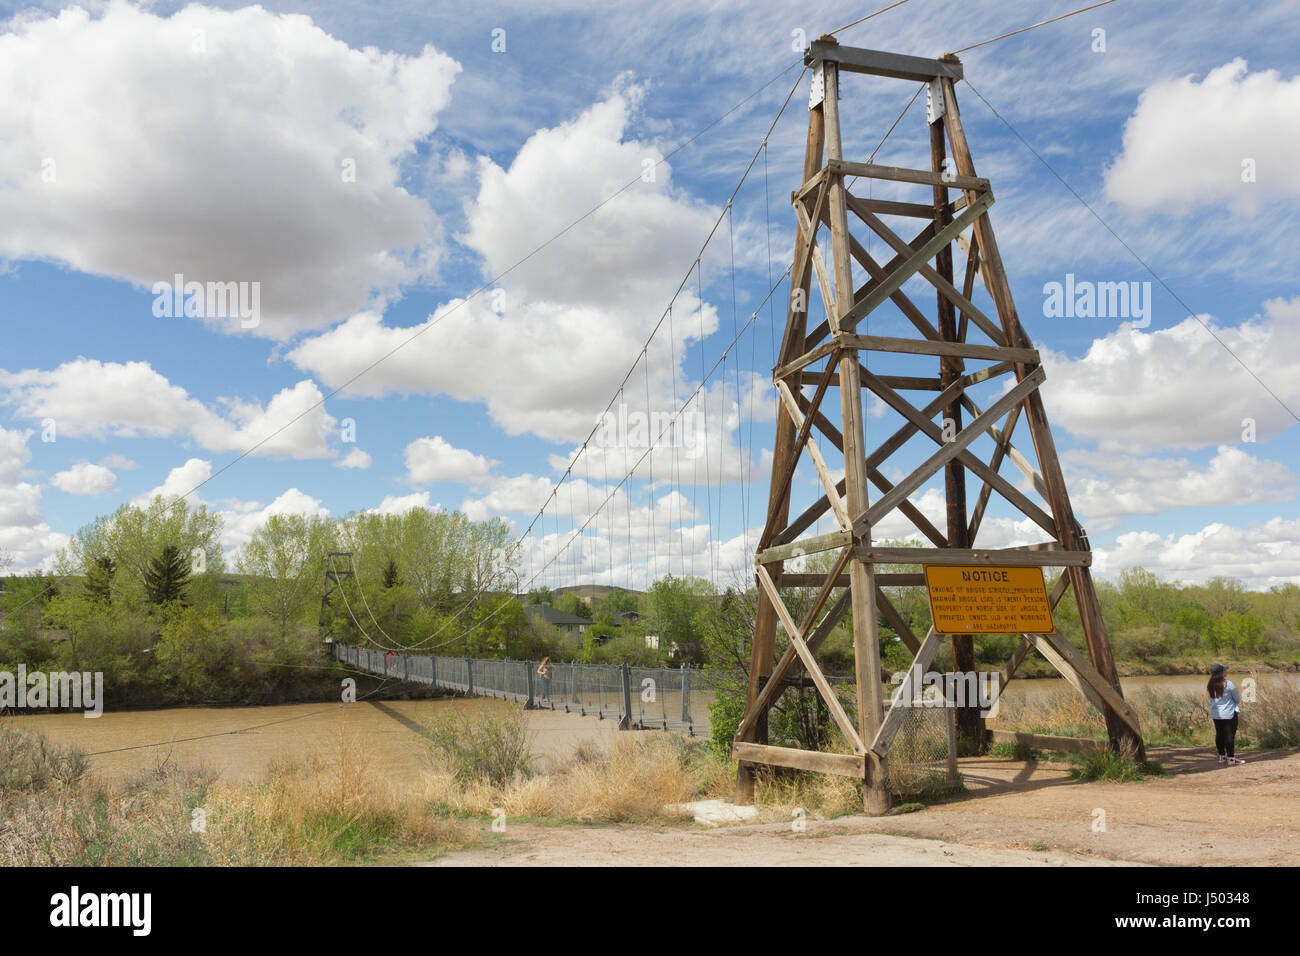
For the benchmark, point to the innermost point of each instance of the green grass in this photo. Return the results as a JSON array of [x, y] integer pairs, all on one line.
[[1107, 765], [1018, 750]]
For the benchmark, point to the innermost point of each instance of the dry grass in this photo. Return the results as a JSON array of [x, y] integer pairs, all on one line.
[[1168, 717], [324, 808], [631, 780]]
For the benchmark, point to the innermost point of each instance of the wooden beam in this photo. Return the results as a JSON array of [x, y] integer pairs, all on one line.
[[916, 383], [793, 579], [844, 765], [1072, 677], [882, 343], [1070, 745], [887, 207], [986, 490], [797, 549], [823, 329], [977, 557], [919, 520], [1017, 459], [862, 588], [898, 66], [897, 174], [874, 460]]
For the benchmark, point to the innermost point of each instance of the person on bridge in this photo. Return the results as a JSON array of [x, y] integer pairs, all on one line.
[[544, 671], [1225, 708]]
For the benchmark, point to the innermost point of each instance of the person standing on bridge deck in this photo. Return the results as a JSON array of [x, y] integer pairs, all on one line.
[[1225, 708], [544, 671]]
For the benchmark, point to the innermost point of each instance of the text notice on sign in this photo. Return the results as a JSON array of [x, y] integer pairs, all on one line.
[[988, 600]]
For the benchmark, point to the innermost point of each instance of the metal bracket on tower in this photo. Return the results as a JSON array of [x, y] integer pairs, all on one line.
[[817, 91], [934, 105]]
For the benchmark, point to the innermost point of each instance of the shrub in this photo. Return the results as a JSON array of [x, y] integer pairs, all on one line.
[[496, 747], [29, 762], [1273, 721], [1180, 717]]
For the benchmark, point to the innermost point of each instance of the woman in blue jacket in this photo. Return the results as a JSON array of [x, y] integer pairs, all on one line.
[[1225, 707]]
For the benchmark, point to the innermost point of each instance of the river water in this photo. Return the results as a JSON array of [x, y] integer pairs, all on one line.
[[241, 742]]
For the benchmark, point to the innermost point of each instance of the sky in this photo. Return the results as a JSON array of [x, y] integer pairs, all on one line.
[[464, 245]]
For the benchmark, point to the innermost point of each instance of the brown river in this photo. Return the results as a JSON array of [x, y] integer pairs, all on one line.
[[241, 742]]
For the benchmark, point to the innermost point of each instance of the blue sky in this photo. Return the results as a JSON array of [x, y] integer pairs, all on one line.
[[372, 165]]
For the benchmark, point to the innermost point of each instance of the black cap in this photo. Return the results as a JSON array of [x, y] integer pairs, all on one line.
[[1217, 669]]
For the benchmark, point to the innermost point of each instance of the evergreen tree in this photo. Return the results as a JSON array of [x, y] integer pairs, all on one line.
[[391, 577], [99, 580], [167, 575]]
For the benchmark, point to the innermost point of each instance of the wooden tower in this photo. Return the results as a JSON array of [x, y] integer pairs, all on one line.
[[962, 349]]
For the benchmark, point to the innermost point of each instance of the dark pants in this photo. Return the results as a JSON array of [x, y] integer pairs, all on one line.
[[546, 688], [1225, 736]]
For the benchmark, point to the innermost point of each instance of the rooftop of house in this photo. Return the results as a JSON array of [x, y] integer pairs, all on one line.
[[552, 615]]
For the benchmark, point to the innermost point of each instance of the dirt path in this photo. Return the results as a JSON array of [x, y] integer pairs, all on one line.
[[1015, 814]]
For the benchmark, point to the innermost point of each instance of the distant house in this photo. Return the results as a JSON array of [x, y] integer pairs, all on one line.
[[562, 620], [626, 617]]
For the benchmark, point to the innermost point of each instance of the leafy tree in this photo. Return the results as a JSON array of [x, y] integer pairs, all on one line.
[[540, 595], [166, 576], [570, 603], [284, 567], [669, 609]]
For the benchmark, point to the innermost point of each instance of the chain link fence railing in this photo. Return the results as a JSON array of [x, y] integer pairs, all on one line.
[[922, 756], [662, 698]]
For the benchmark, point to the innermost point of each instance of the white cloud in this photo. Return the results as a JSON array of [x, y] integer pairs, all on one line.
[[180, 481], [24, 533], [217, 144], [547, 351], [1144, 486], [1179, 387], [92, 399], [1187, 140], [429, 460], [119, 462], [85, 479], [1261, 554], [400, 504], [356, 458], [241, 521]]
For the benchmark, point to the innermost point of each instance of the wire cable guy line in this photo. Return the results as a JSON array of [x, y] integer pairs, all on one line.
[[866, 18], [1032, 26]]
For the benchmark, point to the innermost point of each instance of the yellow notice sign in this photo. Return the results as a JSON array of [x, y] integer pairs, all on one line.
[[988, 600]]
